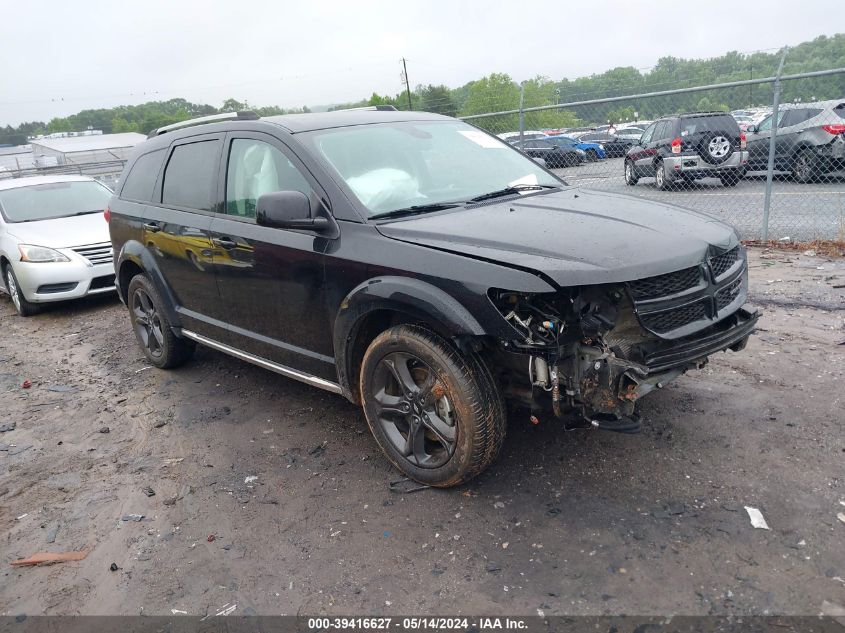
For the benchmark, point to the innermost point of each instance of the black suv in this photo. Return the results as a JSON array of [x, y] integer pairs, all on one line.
[[679, 149], [421, 268]]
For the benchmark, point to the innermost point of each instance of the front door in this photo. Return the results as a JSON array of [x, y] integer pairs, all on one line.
[[176, 230], [271, 280]]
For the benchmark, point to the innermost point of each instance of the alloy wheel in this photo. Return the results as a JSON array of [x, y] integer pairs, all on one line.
[[802, 167], [660, 176], [147, 323], [13, 289], [719, 147], [414, 410]]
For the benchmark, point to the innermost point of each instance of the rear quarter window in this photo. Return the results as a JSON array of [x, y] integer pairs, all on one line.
[[190, 175], [702, 124], [140, 182]]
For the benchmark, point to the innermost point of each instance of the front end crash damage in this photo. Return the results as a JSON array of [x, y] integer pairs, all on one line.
[[588, 354]]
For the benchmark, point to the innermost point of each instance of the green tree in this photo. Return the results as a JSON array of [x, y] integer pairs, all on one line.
[[436, 99]]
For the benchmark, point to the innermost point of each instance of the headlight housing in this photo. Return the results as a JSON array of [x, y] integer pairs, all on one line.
[[40, 254], [601, 146], [581, 152]]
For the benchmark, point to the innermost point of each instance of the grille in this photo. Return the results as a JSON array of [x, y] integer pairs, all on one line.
[[663, 285], [722, 263], [726, 295], [672, 319], [95, 253]]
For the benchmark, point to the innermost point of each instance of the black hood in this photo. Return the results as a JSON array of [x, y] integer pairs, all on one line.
[[573, 236]]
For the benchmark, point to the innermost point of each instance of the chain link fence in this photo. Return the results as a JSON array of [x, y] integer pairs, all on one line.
[[772, 166]]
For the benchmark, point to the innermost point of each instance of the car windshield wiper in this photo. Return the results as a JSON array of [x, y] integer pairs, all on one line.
[[417, 208], [88, 212], [511, 190]]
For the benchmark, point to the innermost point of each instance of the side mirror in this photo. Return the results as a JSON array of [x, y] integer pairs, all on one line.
[[751, 128], [287, 210], [540, 161]]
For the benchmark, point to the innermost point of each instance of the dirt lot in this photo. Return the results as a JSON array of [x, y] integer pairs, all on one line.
[[577, 523]]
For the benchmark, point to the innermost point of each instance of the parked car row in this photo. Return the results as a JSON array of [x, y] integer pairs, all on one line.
[[424, 270]]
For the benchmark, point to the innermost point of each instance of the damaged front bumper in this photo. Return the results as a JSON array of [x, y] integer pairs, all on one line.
[[599, 378]]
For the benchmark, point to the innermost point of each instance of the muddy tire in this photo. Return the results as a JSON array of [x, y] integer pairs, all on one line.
[[152, 328], [437, 414], [24, 307]]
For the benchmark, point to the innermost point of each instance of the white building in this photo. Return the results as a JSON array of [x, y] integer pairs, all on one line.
[[76, 150]]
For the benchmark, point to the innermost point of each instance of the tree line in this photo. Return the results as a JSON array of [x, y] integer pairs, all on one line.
[[499, 92]]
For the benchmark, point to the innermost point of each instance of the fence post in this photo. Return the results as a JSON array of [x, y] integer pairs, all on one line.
[[522, 116], [770, 168]]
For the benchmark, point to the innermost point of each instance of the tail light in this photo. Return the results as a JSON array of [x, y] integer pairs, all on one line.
[[107, 214], [837, 128], [676, 145], [743, 143]]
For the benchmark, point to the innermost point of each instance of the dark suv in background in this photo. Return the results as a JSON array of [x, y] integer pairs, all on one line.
[[680, 149], [810, 140], [423, 269]]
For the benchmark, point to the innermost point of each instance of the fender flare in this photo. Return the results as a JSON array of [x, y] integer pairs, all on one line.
[[135, 252], [413, 297]]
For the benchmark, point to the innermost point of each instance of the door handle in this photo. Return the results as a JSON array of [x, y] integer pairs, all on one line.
[[224, 242], [152, 227]]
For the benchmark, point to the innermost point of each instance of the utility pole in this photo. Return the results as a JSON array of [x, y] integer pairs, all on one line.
[[407, 83]]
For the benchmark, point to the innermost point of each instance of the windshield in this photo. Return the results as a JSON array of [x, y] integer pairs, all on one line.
[[563, 140], [392, 166], [53, 200]]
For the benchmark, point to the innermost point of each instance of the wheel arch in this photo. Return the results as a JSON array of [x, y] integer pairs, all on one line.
[[135, 259], [383, 302]]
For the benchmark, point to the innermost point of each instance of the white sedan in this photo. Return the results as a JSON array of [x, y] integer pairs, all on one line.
[[54, 242]]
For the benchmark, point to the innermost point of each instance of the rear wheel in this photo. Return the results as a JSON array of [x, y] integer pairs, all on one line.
[[592, 155], [24, 307], [804, 166], [730, 178], [660, 179], [631, 177], [437, 414], [152, 328]]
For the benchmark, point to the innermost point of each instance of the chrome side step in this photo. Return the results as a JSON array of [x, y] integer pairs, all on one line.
[[263, 362]]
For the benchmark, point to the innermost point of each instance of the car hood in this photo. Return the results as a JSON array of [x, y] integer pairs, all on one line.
[[78, 230], [573, 236]]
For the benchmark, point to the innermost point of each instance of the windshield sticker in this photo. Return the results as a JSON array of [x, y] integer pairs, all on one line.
[[482, 139]]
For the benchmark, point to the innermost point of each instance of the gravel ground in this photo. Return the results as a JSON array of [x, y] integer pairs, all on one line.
[[271, 496]]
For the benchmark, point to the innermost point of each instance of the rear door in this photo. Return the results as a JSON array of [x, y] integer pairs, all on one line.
[[176, 230], [270, 280]]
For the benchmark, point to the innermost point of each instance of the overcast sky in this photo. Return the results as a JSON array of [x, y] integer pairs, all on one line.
[[61, 57]]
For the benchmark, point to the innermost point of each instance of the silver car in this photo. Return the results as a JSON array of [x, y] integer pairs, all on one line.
[[54, 242]]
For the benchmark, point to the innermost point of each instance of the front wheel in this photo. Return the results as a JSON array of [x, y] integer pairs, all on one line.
[[437, 414], [152, 327], [24, 307]]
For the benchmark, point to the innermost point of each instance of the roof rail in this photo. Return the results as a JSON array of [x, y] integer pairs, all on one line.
[[244, 115], [374, 108]]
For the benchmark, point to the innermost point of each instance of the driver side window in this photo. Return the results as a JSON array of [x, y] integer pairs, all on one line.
[[256, 168], [766, 124], [649, 131]]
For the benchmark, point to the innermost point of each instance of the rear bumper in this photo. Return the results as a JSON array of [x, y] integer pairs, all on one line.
[[695, 166]]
